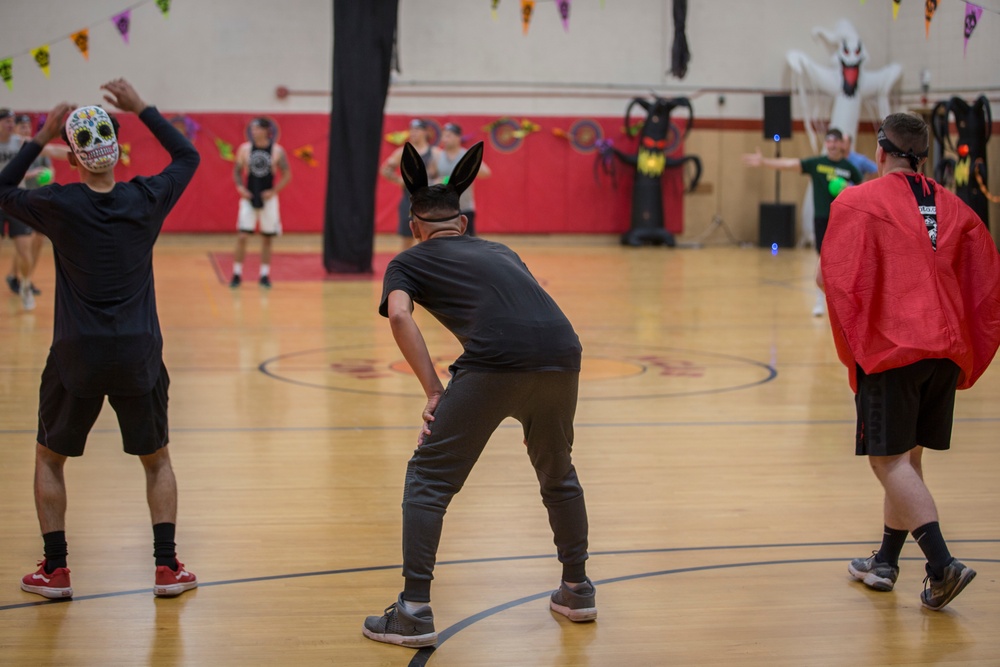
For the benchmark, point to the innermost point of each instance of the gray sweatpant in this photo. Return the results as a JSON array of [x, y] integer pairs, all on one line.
[[471, 409]]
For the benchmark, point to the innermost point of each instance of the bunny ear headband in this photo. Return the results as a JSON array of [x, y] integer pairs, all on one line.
[[414, 173]]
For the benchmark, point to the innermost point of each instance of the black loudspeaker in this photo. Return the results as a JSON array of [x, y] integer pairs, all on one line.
[[777, 225], [777, 116]]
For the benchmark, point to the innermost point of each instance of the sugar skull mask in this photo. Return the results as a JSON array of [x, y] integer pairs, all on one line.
[[91, 135]]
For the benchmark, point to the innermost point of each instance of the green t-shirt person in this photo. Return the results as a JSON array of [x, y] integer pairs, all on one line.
[[824, 173]]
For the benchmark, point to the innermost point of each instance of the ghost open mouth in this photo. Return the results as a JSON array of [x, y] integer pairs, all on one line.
[[850, 73]]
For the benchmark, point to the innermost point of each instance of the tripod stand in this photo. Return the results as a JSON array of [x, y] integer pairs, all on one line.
[[717, 222]]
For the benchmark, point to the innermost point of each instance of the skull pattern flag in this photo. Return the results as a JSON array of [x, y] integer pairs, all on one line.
[[972, 15], [527, 9], [563, 7], [82, 40], [930, 6], [122, 23], [41, 57]]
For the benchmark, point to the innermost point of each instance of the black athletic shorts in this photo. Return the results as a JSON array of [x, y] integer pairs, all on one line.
[[12, 227], [904, 407], [65, 420]]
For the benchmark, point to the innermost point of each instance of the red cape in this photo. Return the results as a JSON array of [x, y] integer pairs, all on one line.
[[893, 300]]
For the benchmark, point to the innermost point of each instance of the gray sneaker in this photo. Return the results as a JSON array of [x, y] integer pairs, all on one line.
[[27, 296], [400, 627], [578, 606], [939, 592], [877, 575]]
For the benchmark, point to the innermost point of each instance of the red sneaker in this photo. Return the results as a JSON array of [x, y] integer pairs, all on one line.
[[54, 585], [173, 582]]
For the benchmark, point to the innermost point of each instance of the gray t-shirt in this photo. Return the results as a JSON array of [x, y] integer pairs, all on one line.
[[446, 165]]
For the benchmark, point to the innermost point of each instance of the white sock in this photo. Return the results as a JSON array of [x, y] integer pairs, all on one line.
[[237, 268], [265, 270], [413, 607]]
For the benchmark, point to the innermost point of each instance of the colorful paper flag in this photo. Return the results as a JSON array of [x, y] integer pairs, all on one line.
[[930, 6], [895, 9], [122, 23], [493, 8], [527, 9], [563, 7], [972, 15], [82, 40], [164, 6], [125, 154], [7, 72], [41, 56], [225, 150]]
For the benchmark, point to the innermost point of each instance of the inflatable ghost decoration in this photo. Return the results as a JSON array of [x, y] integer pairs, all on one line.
[[848, 80], [657, 138], [974, 123]]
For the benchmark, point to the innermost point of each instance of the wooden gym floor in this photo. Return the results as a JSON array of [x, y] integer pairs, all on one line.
[[714, 441]]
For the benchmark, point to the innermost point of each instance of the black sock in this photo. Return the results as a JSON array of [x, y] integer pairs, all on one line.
[[928, 536], [164, 547], [575, 573], [893, 540], [55, 550]]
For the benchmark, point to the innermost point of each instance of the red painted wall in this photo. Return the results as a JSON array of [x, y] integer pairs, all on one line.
[[543, 185]]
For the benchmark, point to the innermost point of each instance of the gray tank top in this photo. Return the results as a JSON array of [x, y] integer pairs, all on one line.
[[445, 166]]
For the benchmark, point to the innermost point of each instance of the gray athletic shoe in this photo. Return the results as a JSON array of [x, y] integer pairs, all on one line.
[[938, 593], [400, 627], [874, 574], [27, 296], [578, 606]]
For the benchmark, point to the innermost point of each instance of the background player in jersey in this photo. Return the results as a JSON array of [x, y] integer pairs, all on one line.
[[106, 333], [521, 359], [830, 174], [912, 279], [254, 173], [445, 158], [390, 171]]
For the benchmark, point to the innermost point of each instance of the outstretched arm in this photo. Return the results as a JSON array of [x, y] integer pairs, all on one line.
[[411, 343], [783, 163]]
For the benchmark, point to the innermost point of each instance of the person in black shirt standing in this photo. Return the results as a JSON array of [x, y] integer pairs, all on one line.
[[253, 171], [521, 359], [106, 339]]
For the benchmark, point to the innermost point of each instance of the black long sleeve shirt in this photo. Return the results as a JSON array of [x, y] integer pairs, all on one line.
[[106, 337]]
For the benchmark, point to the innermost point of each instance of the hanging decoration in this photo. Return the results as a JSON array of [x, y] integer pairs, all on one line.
[[82, 40], [895, 9], [41, 56], [7, 72], [507, 134], [930, 6], [164, 6], [307, 154], [972, 15], [563, 7], [493, 8], [225, 150], [527, 9], [122, 23], [583, 135]]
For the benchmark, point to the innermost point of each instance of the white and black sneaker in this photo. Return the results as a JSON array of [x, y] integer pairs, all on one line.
[[403, 628]]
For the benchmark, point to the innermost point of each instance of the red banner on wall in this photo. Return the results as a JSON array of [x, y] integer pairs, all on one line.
[[542, 186]]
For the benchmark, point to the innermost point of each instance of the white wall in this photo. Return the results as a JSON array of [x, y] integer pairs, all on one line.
[[231, 55]]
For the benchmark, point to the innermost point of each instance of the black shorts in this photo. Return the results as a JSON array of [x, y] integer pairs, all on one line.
[[904, 407], [12, 227], [65, 420]]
